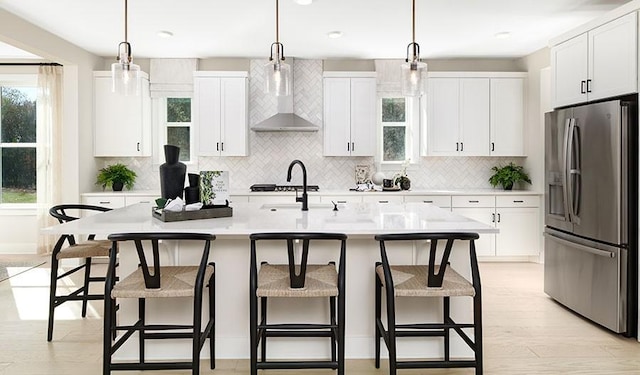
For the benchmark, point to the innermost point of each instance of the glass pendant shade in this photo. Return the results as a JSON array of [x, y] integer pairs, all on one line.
[[125, 78], [277, 78], [414, 78]]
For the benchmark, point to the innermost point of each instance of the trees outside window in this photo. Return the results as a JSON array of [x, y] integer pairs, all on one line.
[[18, 144]]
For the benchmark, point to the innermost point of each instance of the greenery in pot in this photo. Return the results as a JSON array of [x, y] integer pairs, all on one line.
[[508, 175], [116, 175]]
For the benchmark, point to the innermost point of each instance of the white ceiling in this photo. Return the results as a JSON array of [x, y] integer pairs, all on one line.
[[371, 28]]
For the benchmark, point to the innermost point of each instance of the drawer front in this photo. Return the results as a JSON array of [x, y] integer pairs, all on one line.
[[518, 201], [443, 201], [343, 199], [473, 201], [105, 201], [383, 198], [133, 199], [271, 199]]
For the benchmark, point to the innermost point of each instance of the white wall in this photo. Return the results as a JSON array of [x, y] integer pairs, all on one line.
[[79, 166]]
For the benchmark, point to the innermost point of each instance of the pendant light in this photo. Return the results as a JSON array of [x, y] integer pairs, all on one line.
[[278, 74], [414, 71], [125, 75]]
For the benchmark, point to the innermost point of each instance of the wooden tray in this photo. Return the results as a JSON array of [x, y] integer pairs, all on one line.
[[205, 213]]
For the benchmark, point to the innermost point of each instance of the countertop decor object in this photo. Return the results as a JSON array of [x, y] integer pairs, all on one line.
[[508, 175], [117, 176], [363, 173], [172, 173], [192, 192], [214, 188]]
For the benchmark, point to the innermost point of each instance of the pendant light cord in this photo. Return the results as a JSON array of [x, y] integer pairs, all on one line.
[[277, 24], [413, 11], [125, 20]]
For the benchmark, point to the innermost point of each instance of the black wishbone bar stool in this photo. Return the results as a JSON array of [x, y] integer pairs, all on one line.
[[159, 281], [437, 279], [301, 280], [74, 249]]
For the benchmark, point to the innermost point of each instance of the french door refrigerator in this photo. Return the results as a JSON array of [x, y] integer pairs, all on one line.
[[590, 239]]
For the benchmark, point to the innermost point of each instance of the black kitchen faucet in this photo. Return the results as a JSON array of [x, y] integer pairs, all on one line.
[[304, 198]]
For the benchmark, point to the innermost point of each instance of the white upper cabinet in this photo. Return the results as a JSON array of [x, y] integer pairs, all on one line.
[[598, 64], [458, 117], [507, 117], [221, 113], [349, 114], [122, 124]]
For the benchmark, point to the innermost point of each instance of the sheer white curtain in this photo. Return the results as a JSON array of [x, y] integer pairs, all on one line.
[[49, 148]]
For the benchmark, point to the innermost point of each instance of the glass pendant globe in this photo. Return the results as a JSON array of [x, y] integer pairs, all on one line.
[[125, 79], [277, 78], [414, 78]]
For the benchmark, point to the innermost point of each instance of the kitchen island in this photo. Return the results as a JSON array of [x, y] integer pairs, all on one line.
[[230, 251]]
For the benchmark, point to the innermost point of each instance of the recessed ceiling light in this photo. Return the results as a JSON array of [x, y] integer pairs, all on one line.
[[165, 34], [303, 2], [503, 35], [334, 34]]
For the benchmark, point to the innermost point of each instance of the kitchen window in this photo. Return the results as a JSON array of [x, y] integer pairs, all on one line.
[[398, 117], [175, 125], [18, 144]]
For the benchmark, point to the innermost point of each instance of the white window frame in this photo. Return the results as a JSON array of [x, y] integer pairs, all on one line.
[[412, 131], [18, 81], [160, 119]]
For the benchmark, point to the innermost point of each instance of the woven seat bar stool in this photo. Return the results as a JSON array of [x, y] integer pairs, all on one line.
[[301, 280], [68, 248], [159, 281], [435, 279]]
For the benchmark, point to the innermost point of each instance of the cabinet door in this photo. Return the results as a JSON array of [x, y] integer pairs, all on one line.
[[485, 245], [120, 122], [613, 55], [569, 71], [363, 116], [233, 117], [507, 117], [474, 117], [519, 231], [337, 116], [206, 103], [443, 117]]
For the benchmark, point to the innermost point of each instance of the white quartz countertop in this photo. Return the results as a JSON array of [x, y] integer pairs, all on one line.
[[338, 192], [361, 219]]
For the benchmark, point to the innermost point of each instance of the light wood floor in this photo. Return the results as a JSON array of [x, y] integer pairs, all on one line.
[[525, 333]]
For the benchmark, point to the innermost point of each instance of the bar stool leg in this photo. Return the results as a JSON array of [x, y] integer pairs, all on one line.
[[447, 336], [106, 336], [378, 286], [341, 331], [212, 317], [141, 322], [477, 332], [85, 288], [52, 294], [253, 331], [391, 333], [197, 333], [263, 321], [334, 338]]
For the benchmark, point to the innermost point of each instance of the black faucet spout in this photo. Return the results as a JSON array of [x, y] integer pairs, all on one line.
[[304, 199]]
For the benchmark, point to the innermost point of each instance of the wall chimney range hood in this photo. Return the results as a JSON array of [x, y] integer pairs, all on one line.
[[285, 120]]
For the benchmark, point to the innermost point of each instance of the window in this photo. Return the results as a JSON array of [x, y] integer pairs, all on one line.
[[18, 144], [175, 119], [398, 120]]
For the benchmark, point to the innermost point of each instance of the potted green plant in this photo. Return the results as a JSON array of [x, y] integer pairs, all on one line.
[[116, 175], [508, 175]]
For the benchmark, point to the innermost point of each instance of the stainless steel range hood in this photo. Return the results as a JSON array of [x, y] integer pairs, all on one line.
[[285, 120]]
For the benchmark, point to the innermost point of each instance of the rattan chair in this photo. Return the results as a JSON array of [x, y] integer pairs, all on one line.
[[159, 281], [297, 281], [437, 279], [68, 248]]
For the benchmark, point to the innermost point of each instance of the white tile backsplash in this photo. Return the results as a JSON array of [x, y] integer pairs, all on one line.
[[271, 152]]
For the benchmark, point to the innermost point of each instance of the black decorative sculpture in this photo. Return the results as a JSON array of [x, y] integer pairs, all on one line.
[[172, 173]]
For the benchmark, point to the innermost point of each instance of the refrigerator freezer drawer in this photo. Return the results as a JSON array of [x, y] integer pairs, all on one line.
[[588, 280]]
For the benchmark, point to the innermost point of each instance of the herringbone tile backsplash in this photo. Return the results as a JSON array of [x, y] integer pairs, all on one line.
[[271, 152]]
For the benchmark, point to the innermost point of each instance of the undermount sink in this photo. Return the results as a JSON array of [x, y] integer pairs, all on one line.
[[296, 206]]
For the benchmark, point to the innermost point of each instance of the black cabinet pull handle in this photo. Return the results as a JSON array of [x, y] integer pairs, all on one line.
[[353, 146], [348, 146], [588, 85], [342, 202], [582, 90], [457, 147], [518, 201], [427, 201], [474, 201], [138, 146], [461, 146], [493, 218], [498, 218], [222, 146], [105, 202], [493, 146], [217, 146], [383, 201]]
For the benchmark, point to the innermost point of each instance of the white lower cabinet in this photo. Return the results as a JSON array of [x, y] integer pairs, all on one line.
[[341, 199], [516, 216], [279, 199], [108, 201], [382, 198], [442, 201]]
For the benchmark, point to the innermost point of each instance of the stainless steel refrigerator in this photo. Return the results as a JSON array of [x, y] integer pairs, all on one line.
[[590, 261]]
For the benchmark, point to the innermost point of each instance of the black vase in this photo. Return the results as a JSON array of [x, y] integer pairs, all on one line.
[[172, 173], [192, 192]]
